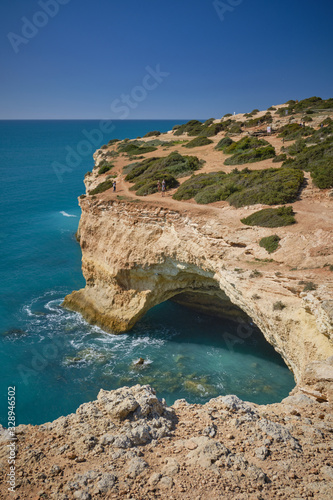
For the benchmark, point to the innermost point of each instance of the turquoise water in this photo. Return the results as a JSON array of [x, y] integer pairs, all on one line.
[[53, 357]]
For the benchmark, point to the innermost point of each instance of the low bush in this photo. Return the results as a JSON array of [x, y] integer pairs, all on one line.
[[309, 286], [212, 130], [278, 158], [318, 160], [322, 175], [135, 148], [145, 174], [297, 147], [223, 143], [270, 243], [152, 133], [103, 186], [198, 141], [227, 115], [271, 217], [193, 127], [239, 188], [113, 141], [105, 168], [271, 108], [251, 156], [190, 188], [295, 131], [244, 144], [278, 306]]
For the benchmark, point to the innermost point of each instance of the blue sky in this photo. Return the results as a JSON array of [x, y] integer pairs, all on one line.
[[93, 58]]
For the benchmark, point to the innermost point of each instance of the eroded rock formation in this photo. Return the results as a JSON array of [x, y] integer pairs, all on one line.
[[137, 255]]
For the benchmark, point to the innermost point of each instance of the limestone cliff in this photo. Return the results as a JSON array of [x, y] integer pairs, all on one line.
[[136, 255]]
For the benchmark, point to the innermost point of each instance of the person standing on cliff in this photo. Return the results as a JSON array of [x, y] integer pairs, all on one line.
[[158, 186], [163, 187], [114, 186]]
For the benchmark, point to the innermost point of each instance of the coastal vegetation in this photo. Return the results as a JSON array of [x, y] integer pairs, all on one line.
[[246, 187], [104, 167], [317, 159], [134, 148], [152, 133], [198, 141], [145, 174], [271, 217], [103, 186], [270, 243]]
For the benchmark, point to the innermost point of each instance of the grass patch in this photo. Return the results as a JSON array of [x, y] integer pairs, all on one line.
[[246, 187], [270, 243], [198, 141], [145, 174], [271, 217]]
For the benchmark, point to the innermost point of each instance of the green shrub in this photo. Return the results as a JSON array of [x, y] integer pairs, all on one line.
[[82, 196], [307, 119], [105, 168], [103, 186], [198, 141], [145, 174], [318, 160], [190, 188], [252, 156], [245, 144], [227, 115], [235, 128], [269, 186], [193, 127], [212, 130], [255, 274], [104, 146], [293, 131], [152, 133], [223, 143], [278, 158], [271, 217], [271, 108], [113, 141], [309, 286], [322, 175], [297, 147], [134, 148], [278, 306], [327, 121], [270, 243]]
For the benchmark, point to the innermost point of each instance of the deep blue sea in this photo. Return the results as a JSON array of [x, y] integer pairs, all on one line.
[[52, 356]]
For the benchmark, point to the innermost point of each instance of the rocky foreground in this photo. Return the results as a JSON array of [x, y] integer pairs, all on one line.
[[129, 444]]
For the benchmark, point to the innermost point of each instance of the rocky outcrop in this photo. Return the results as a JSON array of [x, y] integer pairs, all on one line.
[[129, 444], [136, 255]]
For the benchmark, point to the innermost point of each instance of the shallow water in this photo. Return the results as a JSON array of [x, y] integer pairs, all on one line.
[[53, 357]]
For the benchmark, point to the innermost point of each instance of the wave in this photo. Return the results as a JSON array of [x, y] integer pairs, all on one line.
[[65, 214]]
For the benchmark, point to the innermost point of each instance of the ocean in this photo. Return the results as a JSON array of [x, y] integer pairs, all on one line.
[[57, 361]]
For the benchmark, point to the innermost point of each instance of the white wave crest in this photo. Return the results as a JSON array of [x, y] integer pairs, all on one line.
[[65, 214]]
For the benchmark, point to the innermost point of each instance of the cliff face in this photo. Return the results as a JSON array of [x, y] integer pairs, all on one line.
[[136, 255]]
